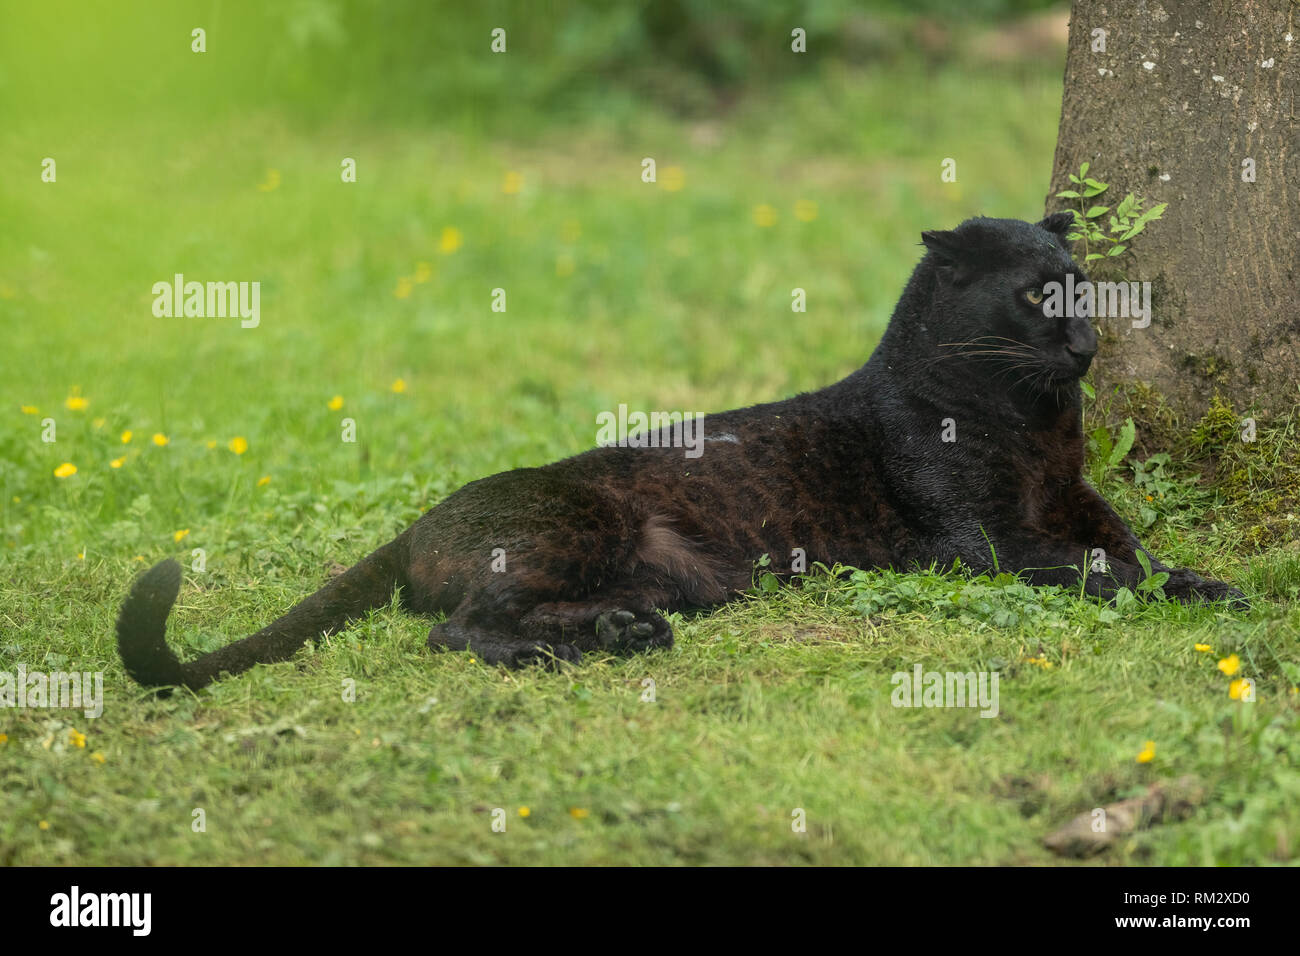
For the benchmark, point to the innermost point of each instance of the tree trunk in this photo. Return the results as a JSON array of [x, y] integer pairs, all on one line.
[[1185, 93]]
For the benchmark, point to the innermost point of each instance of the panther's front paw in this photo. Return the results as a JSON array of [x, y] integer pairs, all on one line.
[[1190, 588], [1222, 591]]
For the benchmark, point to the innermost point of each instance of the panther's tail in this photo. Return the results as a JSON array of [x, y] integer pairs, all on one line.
[[142, 625]]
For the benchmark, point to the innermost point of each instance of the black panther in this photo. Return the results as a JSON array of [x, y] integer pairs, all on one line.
[[959, 440]]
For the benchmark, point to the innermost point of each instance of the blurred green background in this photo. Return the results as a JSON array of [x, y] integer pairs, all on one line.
[[475, 171], [426, 62]]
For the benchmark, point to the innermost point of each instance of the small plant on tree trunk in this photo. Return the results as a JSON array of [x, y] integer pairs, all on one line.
[[1125, 222]]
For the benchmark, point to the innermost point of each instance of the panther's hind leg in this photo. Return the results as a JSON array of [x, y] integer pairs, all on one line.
[[497, 645], [552, 599], [621, 621]]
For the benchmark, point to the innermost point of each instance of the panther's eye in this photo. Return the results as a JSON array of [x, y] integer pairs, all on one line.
[[1034, 296]]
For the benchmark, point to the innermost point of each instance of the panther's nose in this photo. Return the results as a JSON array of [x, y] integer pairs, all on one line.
[[1081, 341]]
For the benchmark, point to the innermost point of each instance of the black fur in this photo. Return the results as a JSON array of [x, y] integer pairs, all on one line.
[[598, 545]]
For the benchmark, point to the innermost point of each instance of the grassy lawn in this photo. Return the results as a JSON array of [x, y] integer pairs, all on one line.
[[670, 295]]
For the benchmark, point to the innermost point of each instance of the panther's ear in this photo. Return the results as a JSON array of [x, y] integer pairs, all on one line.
[[955, 259], [1060, 223], [943, 243]]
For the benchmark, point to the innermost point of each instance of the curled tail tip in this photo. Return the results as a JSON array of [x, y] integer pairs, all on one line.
[[142, 627]]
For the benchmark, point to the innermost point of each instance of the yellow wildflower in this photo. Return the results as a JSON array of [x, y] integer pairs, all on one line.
[[238, 444], [159, 439], [65, 470], [1148, 752], [336, 403], [1230, 664], [450, 241]]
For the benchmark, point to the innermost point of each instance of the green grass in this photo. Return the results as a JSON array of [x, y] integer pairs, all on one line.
[[618, 291]]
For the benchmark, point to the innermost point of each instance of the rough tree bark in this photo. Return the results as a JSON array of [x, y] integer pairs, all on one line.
[[1184, 93]]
